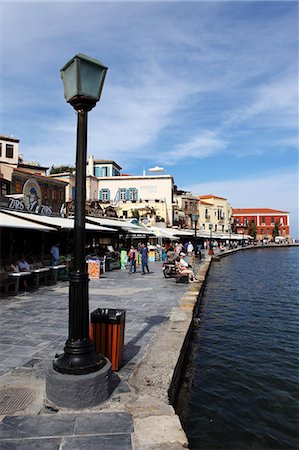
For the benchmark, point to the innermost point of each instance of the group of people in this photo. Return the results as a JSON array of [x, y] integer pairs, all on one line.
[[133, 258]]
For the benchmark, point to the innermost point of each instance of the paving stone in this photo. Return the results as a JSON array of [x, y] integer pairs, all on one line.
[[37, 426], [110, 442], [104, 423], [31, 444]]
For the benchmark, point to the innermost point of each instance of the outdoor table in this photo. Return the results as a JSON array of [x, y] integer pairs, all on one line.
[[17, 276], [40, 273], [54, 272]]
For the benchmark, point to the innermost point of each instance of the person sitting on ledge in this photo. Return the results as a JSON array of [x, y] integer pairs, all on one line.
[[23, 265], [183, 270]]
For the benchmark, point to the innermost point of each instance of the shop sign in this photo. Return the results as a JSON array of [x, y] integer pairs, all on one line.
[[31, 200], [19, 205]]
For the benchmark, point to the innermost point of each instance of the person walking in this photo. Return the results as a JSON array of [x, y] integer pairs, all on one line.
[[132, 256], [190, 248], [144, 258]]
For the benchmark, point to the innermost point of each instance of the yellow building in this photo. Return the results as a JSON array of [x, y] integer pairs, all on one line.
[[214, 214]]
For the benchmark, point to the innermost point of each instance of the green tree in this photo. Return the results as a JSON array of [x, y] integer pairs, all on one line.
[[135, 214], [252, 230], [61, 169], [276, 230]]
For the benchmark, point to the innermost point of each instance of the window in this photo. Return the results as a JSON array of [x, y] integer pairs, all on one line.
[[207, 213], [123, 194], [104, 195], [203, 226], [0, 148], [263, 221], [272, 220], [9, 151], [262, 231], [281, 221], [4, 188], [237, 221], [133, 194], [104, 171], [245, 222], [252, 221], [216, 227]]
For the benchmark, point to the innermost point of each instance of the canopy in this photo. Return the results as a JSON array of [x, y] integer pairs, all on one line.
[[123, 225], [162, 232], [55, 223], [9, 221]]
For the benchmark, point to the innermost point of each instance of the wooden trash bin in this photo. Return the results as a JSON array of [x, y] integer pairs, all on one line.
[[107, 331]]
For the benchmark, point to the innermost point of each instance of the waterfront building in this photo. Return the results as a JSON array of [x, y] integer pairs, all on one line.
[[214, 214], [264, 219], [185, 206], [22, 190], [9, 154], [24, 186], [109, 192]]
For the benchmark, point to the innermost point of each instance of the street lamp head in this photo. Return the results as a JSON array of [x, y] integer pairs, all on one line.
[[83, 79]]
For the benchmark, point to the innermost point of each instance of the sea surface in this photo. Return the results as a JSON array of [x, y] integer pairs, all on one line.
[[241, 380]]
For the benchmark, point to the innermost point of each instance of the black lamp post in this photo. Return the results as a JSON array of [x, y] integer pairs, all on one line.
[[211, 251], [195, 218], [83, 80]]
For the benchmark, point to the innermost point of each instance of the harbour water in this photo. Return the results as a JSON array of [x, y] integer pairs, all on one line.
[[241, 379]]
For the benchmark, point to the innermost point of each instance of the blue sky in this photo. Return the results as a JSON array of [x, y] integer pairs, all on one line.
[[207, 90]]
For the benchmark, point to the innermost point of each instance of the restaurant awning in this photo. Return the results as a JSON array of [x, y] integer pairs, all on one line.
[[9, 221], [163, 233], [123, 225], [56, 223]]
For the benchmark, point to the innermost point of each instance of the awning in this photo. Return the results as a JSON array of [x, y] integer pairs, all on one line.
[[9, 221], [122, 225], [56, 223], [162, 232]]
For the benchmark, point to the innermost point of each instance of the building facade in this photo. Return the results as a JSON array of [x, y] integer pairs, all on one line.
[[22, 190], [185, 209], [214, 214], [264, 219], [109, 192], [9, 154]]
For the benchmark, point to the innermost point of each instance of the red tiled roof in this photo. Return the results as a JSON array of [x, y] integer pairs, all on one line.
[[27, 172], [257, 211], [202, 202], [211, 196]]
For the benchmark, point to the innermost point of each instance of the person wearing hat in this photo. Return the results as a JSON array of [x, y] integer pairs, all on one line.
[[183, 270], [182, 261]]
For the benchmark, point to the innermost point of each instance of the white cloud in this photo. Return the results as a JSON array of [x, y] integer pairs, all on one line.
[[200, 146]]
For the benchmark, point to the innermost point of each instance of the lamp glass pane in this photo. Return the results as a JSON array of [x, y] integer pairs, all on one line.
[[70, 83], [91, 77]]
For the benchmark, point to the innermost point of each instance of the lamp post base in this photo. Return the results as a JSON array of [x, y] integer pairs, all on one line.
[[79, 391], [79, 358]]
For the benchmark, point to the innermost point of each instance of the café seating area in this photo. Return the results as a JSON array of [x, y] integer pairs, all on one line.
[[15, 279]]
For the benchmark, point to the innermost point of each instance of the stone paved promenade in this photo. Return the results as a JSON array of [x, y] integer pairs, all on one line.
[[34, 328]]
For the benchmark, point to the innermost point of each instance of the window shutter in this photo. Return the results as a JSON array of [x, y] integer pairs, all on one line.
[[108, 194], [128, 194], [101, 194]]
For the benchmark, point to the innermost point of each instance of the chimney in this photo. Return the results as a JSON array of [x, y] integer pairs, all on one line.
[[90, 166]]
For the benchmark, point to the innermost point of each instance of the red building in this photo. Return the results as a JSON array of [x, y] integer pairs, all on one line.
[[264, 219]]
